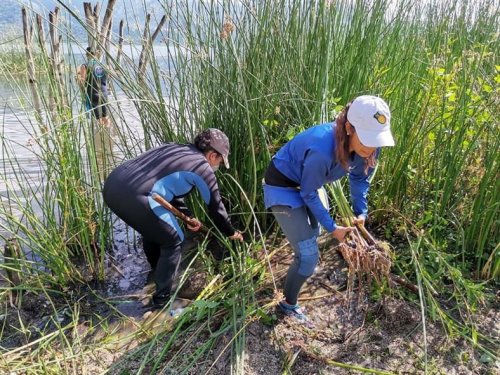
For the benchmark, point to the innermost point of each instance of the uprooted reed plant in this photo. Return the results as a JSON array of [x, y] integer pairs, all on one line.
[[365, 260]]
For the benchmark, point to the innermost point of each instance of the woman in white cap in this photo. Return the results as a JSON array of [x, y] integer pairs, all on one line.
[[324, 153], [171, 171]]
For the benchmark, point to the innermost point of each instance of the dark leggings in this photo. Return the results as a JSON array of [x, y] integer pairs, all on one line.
[[164, 261], [98, 105]]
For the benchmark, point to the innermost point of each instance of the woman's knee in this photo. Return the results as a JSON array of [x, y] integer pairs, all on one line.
[[308, 254]]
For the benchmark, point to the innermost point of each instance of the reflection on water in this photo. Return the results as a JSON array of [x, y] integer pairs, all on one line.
[[103, 148]]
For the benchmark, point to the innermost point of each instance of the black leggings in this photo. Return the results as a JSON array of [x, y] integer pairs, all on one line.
[[97, 104], [164, 261]]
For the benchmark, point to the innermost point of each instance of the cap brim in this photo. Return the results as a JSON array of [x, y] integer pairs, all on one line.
[[375, 138], [226, 161]]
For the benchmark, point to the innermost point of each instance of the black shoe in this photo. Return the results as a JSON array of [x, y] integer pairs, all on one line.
[[159, 301], [176, 309], [153, 306]]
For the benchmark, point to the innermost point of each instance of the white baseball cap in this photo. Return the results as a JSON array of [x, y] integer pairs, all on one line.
[[371, 117]]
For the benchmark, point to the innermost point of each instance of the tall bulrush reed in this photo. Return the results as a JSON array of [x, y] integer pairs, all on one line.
[[263, 71], [443, 167], [59, 218]]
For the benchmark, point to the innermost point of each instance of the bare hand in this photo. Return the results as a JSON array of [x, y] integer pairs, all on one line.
[[81, 75], [236, 236], [360, 220], [341, 232], [194, 225]]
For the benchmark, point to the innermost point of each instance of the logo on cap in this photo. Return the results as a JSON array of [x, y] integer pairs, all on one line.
[[380, 118]]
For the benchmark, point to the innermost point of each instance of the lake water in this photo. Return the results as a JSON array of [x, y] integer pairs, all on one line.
[[20, 164], [22, 173]]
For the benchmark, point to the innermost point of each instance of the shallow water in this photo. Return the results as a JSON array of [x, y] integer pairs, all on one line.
[[126, 266], [20, 165], [22, 175]]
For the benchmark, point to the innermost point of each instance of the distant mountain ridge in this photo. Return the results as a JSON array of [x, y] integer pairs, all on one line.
[[129, 10]]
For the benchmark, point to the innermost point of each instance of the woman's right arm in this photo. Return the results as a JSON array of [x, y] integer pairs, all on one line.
[[314, 169]]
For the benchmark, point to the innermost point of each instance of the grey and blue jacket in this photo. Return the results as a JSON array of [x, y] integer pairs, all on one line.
[[173, 171], [306, 163]]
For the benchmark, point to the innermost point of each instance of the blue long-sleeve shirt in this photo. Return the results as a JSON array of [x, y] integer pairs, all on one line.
[[309, 160]]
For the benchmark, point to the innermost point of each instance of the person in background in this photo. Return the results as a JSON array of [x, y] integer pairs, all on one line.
[[93, 79], [172, 171], [324, 153]]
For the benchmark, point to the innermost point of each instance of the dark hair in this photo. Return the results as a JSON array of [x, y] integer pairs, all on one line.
[[342, 152], [90, 51], [342, 139], [202, 142]]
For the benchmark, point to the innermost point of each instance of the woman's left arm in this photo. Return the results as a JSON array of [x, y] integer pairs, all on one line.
[[359, 183], [359, 192]]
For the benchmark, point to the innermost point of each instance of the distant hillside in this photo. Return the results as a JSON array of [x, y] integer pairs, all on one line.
[[10, 16], [129, 10]]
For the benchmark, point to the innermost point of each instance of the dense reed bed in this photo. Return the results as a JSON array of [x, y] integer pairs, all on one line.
[[263, 71]]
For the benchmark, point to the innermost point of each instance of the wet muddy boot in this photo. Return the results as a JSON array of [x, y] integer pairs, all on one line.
[[157, 302]]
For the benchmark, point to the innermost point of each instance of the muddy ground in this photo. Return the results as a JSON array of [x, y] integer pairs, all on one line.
[[383, 334], [377, 332]]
